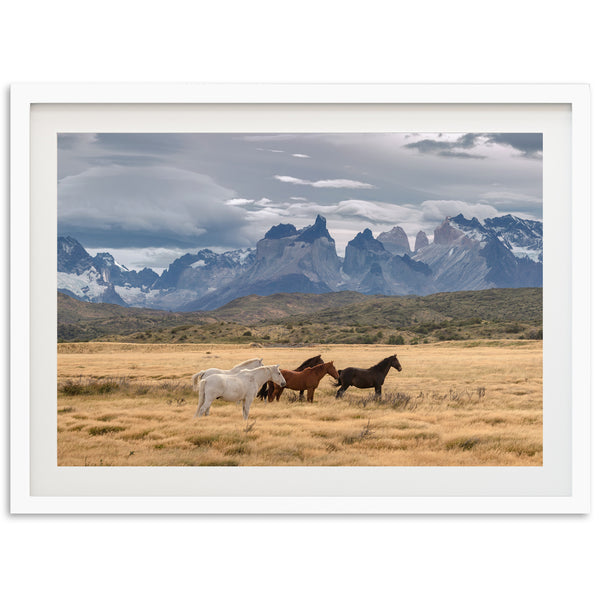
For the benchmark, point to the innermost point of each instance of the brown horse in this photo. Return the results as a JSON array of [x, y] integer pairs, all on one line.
[[267, 389], [304, 380]]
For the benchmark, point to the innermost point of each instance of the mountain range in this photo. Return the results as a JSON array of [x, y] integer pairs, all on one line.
[[501, 252]]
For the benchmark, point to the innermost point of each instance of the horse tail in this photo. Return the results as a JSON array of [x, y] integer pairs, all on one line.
[[263, 392], [201, 397], [195, 379]]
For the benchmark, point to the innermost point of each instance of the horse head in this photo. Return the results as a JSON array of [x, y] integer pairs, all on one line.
[[276, 376], [331, 370], [394, 363]]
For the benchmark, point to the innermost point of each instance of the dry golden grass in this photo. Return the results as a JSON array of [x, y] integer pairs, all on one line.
[[454, 403]]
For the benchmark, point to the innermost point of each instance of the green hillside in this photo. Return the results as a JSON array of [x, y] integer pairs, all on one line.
[[340, 317]]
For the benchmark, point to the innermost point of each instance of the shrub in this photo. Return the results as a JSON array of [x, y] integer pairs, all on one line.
[[247, 333], [448, 334], [535, 334], [104, 429], [396, 340]]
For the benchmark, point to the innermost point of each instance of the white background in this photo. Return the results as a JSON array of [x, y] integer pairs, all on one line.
[[294, 557]]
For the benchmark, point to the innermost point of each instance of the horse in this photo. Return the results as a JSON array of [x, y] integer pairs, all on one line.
[[251, 363], [235, 387], [308, 379], [267, 389], [367, 378]]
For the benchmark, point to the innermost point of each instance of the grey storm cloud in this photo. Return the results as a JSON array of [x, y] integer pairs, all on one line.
[[447, 148], [529, 144], [224, 190], [165, 204], [454, 154]]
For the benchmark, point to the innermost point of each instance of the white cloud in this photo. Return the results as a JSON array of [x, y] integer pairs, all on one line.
[[301, 155], [507, 195], [239, 201], [326, 183], [271, 150]]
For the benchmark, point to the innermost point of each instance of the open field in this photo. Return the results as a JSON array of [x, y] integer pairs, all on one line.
[[476, 402]]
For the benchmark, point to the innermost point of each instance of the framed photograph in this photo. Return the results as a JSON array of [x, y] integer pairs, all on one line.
[[300, 298]]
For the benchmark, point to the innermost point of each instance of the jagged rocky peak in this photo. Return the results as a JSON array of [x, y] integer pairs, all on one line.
[[461, 221], [315, 231], [107, 260], [71, 256], [445, 234], [282, 230], [421, 241], [365, 240], [395, 240], [362, 252], [285, 236], [523, 236]]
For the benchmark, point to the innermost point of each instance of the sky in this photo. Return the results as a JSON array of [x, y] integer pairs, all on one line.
[[148, 198]]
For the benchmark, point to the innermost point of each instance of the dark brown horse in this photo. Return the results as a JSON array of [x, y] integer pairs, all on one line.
[[308, 379], [366, 378], [267, 389]]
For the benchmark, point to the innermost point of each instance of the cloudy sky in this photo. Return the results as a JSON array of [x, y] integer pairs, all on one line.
[[148, 198]]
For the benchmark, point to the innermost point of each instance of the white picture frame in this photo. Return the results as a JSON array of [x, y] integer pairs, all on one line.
[[42, 108]]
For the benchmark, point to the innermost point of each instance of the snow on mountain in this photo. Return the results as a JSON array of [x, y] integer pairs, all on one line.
[[465, 254]]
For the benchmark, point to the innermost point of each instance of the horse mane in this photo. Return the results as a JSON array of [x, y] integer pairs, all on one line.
[[308, 361], [383, 362], [245, 362]]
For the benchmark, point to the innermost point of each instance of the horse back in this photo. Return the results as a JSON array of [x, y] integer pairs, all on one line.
[[226, 386], [293, 379], [360, 378]]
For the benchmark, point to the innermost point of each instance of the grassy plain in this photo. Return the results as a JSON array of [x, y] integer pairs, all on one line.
[[454, 403]]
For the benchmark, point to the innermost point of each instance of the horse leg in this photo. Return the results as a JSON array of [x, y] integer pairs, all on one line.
[[271, 388], [246, 407], [378, 390], [301, 396], [203, 410], [341, 391], [201, 399], [310, 394]]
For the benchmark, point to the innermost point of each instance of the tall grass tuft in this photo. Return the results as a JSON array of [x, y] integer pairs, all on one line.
[[398, 400], [111, 385]]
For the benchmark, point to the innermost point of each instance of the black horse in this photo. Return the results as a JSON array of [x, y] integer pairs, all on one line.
[[367, 378], [309, 362]]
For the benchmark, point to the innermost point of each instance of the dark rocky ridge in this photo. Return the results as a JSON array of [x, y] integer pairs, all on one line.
[[465, 254]]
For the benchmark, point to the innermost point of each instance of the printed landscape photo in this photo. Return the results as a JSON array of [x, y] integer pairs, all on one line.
[[300, 299]]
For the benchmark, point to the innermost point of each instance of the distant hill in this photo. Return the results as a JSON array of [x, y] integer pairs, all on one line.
[[86, 321], [337, 317], [254, 309]]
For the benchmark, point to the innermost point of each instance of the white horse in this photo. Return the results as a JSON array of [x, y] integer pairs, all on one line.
[[251, 363], [234, 387]]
